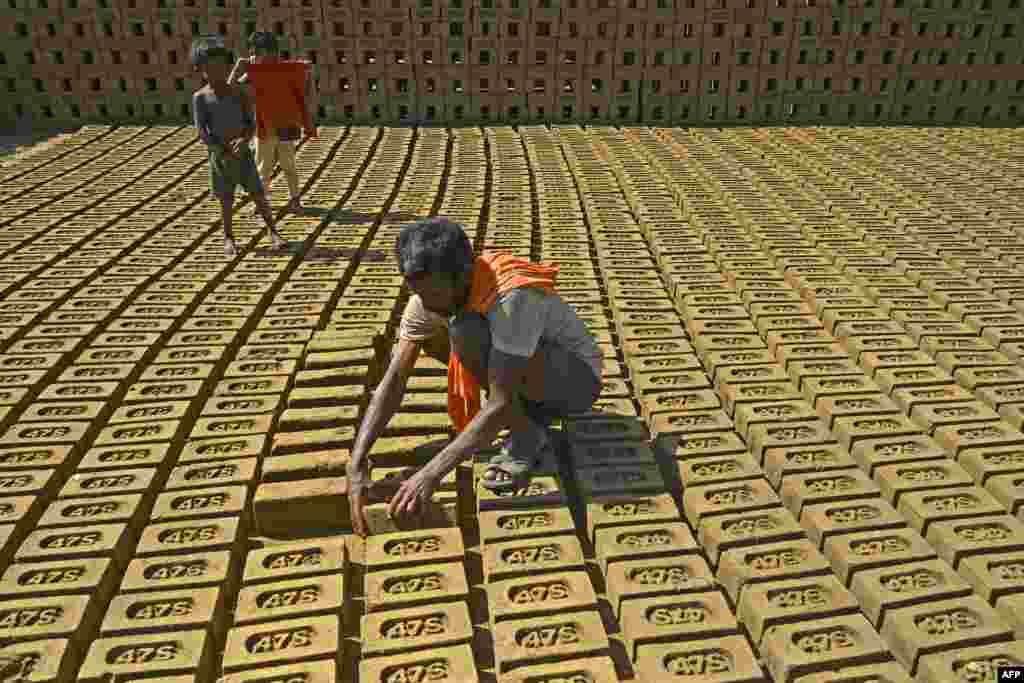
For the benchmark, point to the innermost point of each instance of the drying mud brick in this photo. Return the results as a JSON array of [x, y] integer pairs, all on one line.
[[419, 628], [700, 502], [96, 576], [191, 536], [983, 463], [877, 673], [851, 430], [776, 412], [144, 412], [101, 510], [793, 650], [653, 577], [44, 433], [108, 483], [781, 463], [542, 491], [767, 605], [15, 509], [994, 576], [623, 510], [642, 541], [683, 447], [920, 397], [518, 559], [228, 472], [613, 453], [442, 665], [540, 595], [327, 464], [140, 432], [308, 419], [735, 395], [824, 520], [265, 385], [690, 422], [959, 539], [308, 596], [742, 567], [279, 562], [672, 401], [620, 479], [904, 585], [54, 660], [1009, 609], [439, 512], [75, 543], [960, 439], [302, 507], [160, 391], [213, 427], [828, 487], [715, 660], [936, 627], [922, 508], [611, 429], [223, 501], [543, 640], [978, 663], [412, 548], [62, 616], [724, 532], [1008, 489], [590, 670], [875, 452], [411, 586], [689, 616], [176, 572], [850, 553], [37, 457], [289, 641], [179, 610], [767, 436], [219, 406], [66, 410], [713, 470], [136, 455], [163, 654], [313, 672], [288, 443], [895, 480], [829, 408]]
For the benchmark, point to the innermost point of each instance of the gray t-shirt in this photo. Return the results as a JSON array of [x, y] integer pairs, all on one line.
[[519, 320], [216, 115]]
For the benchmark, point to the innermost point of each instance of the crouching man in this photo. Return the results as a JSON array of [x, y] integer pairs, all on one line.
[[497, 323]]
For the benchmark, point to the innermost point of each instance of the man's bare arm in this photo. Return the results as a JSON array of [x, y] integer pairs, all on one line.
[[240, 73], [387, 399]]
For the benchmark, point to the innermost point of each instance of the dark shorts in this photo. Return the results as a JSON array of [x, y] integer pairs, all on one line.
[[227, 173], [572, 385]]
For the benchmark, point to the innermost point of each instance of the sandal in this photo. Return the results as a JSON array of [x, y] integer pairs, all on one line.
[[517, 470]]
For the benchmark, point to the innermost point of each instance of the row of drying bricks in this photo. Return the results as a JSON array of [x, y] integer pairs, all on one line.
[[882, 539], [114, 503]]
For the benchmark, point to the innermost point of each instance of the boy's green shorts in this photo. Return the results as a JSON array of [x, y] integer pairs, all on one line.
[[227, 173]]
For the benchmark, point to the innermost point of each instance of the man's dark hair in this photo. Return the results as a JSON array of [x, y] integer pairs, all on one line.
[[265, 41], [435, 245], [208, 48]]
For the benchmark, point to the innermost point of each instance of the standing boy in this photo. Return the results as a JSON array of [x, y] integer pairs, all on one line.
[[224, 119], [276, 143]]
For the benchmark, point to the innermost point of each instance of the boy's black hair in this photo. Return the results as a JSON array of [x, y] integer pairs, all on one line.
[[264, 41], [208, 47], [435, 245]]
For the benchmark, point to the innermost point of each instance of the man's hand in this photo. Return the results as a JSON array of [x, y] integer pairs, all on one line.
[[237, 145], [358, 497], [413, 495]]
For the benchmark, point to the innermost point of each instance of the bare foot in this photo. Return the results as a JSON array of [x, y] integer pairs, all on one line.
[[280, 243], [230, 248]]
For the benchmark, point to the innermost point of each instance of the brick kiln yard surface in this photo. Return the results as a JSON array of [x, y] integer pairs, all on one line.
[[808, 463]]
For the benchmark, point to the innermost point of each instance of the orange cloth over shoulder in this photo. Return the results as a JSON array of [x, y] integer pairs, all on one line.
[[494, 274], [279, 94]]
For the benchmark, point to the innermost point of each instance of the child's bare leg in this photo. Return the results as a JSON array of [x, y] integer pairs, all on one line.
[[263, 206], [226, 205]]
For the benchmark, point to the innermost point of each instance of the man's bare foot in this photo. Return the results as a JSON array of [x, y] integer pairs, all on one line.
[[280, 243], [230, 248]]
